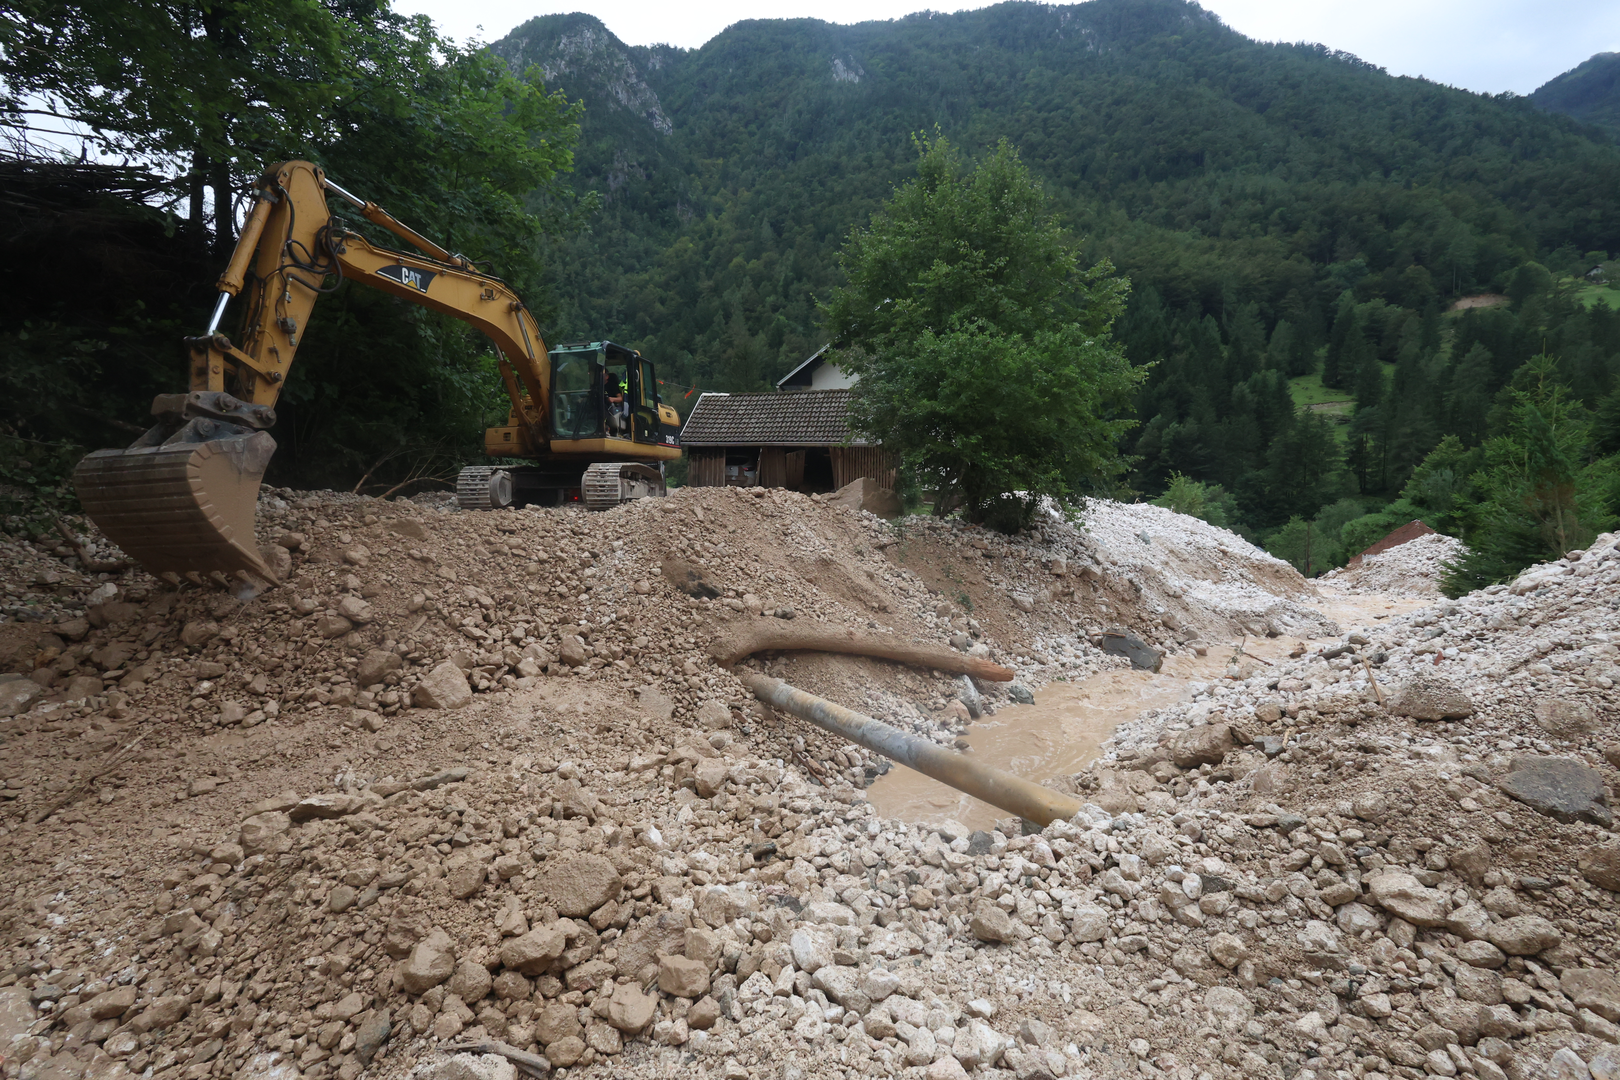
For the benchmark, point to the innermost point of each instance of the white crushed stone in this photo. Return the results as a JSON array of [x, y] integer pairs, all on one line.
[[1409, 569], [1202, 566]]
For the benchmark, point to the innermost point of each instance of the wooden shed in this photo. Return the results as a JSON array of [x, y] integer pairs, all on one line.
[[792, 440]]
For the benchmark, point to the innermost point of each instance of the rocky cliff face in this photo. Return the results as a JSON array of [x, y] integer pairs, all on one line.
[[587, 60]]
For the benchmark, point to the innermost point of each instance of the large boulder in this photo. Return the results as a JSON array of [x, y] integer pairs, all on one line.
[[1142, 656], [17, 1014], [577, 886], [375, 664], [1426, 696], [990, 923], [445, 687], [1089, 923], [371, 1034], [865, 493], [843, 985], [265, 832], [630, 1009], [198, 632], [1566, 718], [430, 963], [1403, 896], [355, 610], [1206, 745], [572, 651], [18, 696], [680, 977], [464, 873], [978, 1044], [163, 1013], [714, 715], [534, 952], [1562, 788], [1601, 866], [1525, 935], [332, 626], [812, 948]]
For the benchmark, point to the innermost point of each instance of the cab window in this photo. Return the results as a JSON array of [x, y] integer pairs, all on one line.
[[646, 412], [576, 397]]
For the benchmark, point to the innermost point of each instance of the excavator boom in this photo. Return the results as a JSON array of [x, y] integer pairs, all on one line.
[[181, 500]]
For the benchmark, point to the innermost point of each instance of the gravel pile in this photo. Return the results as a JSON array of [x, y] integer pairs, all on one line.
[[471, 778], [460, 743], [1409, 569]]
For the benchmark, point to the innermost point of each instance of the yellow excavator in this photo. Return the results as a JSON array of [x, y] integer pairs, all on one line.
[[181, 499]]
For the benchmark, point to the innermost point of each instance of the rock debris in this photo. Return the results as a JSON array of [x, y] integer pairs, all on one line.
[[472, 779]]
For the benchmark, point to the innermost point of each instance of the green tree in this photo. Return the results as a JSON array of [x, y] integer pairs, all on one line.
[[1469, 397], [207, 86], [1196, 499], [983, 349], [1535, 498], [1301, 465], [451, 140], [456, 145], [1606, 422], [1299, 542]]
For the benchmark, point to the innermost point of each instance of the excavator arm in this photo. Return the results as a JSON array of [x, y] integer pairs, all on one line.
[[181, 500]]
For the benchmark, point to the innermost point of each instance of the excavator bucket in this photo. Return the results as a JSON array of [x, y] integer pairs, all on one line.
[[186, 505]]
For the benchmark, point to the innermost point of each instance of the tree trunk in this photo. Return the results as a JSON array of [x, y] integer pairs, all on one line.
[[224, 211], [198, 185]]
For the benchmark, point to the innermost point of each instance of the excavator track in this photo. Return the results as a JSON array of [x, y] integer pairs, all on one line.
[[183, 506], [481, 487], [612, 483]]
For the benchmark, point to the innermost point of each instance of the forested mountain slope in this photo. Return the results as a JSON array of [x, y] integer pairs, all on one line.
[[1296, 222], [1217, 169], [1590, 92]]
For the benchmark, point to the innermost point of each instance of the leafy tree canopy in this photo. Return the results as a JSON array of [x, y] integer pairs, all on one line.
[[983, 349], [207, 92]]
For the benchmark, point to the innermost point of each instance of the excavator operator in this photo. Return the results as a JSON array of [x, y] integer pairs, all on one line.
[[617, 410]]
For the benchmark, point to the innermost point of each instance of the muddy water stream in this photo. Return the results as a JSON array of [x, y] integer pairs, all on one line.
[[1063, 731]]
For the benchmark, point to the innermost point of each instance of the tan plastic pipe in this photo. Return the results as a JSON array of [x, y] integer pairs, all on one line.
[[1000, 789]]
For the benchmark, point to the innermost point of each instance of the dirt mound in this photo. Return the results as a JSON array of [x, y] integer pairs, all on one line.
[[1421, 792]]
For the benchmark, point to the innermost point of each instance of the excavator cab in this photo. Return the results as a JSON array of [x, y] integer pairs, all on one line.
[[600, 390]]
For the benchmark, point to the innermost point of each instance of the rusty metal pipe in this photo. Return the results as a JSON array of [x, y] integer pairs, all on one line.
[[1000, 789]]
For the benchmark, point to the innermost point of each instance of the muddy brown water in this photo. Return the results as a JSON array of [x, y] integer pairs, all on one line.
[[1063, 731]]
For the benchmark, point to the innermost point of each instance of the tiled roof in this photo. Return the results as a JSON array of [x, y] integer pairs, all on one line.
[[809, 418]]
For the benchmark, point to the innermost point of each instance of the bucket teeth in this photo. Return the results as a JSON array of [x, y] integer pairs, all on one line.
[[181, 507]]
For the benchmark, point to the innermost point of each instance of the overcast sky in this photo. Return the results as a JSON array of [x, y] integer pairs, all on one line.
[[1484, 45]]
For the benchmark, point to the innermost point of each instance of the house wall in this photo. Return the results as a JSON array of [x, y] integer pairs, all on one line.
[[785, 466], [831, 377], [706, 467], [853, 462]]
